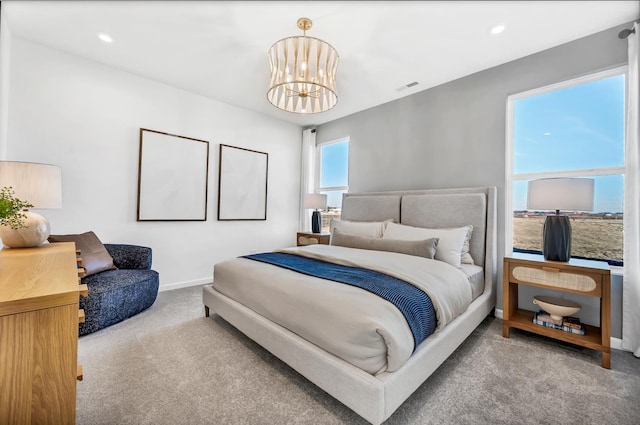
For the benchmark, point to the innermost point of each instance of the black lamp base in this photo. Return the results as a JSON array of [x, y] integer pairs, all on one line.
[[316, 222], [556, 238]]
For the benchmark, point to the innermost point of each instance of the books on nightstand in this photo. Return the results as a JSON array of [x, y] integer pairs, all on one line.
[[567, 324]]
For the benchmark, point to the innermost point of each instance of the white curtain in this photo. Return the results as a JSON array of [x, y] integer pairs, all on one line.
[[631, 279], [307, 175]]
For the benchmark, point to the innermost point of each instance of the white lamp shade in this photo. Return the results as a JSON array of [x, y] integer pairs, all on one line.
[[315, 201], [38, 184], [303, 75], [568, 194]]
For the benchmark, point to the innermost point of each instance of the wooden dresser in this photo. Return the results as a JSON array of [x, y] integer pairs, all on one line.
[[39, 315]]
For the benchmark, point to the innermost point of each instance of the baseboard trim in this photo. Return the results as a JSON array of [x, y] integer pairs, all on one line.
[[615, 343], [185, 284]]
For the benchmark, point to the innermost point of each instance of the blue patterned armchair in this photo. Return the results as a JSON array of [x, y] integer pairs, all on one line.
[[116, 295]]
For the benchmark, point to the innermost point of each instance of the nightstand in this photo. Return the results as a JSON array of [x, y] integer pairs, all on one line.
[[585, 277], [308, 238]]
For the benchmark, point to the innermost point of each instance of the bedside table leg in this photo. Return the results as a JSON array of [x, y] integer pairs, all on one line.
[[606, 360], [509, 299], [505, 330]]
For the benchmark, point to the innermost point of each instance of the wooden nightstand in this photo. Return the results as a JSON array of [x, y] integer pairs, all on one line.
[[586, 277], [308, 238]]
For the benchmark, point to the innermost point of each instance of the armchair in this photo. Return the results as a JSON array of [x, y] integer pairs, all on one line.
[[116, 295]]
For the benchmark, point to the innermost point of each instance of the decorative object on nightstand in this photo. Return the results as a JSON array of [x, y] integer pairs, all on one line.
[[557, 307], [568, 324], [569, 194], [316, 202], [306, 238], [41, 186]]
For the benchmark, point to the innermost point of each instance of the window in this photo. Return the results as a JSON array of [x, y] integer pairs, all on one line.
[[571, 129], [333, 177]]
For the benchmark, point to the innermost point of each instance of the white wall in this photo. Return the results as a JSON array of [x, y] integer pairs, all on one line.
[[85, 117], [5, 60]]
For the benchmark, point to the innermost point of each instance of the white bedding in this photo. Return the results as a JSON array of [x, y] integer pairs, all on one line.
[[351, 323], [475, 275]]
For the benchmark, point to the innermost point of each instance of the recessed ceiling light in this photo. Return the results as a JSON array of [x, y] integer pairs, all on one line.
[[497, 29], [105, 37]]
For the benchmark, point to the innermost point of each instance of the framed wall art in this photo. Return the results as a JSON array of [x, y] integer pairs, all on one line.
[[242, 184], [173, 173]]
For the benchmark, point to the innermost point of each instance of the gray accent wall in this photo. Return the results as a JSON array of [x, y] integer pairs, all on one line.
[[454, 135]]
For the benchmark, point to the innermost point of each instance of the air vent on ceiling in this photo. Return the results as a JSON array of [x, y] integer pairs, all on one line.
[[406, 86]]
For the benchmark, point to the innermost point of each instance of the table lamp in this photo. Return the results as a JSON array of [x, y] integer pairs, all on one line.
[[568, 194], [41, 186], [316, 202]]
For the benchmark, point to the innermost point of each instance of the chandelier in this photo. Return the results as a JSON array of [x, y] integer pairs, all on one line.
[[303, 73]]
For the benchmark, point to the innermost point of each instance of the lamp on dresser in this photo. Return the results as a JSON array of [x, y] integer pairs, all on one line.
[[39, 185], [316, 202], [567, 194]]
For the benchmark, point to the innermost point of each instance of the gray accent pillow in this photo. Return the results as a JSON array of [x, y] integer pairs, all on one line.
[[421, 248], [450, 241]]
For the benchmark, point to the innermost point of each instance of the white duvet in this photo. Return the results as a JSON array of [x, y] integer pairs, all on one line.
[[351, 323]]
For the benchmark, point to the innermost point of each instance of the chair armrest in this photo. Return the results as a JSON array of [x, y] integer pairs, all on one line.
[[130, 256]]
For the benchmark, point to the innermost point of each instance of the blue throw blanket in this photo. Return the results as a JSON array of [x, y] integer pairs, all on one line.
[[415, 305]]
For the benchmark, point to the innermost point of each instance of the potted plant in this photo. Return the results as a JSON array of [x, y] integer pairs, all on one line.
[[11, 214]]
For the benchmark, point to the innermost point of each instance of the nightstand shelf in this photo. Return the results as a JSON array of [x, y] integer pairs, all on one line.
[[591, 278], [308, 238], [523, 319]]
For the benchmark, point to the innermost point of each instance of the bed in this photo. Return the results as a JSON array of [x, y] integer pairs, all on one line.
[[375, 395]]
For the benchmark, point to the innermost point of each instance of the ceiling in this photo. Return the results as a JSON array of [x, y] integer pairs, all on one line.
[[218, 49]]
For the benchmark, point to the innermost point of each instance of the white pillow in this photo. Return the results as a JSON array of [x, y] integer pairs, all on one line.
[[466, 255], [372, 229], [450, 243]]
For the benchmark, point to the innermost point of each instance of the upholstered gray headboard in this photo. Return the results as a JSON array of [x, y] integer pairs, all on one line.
[[435, 208], [449, 210], [365, 207]]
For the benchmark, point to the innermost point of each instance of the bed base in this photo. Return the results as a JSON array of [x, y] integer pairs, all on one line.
[[375, 398]]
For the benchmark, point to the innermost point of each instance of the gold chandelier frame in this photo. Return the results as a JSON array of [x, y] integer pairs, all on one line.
[[303, 73]]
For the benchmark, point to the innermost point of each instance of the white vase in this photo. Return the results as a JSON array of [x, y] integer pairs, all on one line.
[[36, 230]]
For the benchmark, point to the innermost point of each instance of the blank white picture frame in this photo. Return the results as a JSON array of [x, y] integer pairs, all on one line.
[[242, 184], [173, 174]]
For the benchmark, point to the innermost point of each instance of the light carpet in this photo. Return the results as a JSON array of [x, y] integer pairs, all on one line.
[[171, 365]]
